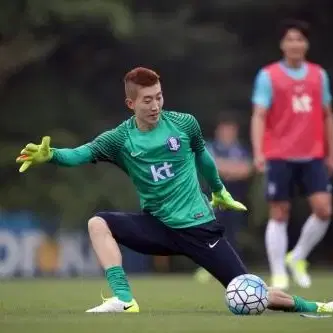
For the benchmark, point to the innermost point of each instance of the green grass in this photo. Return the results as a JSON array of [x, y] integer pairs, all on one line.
[[168, 304]]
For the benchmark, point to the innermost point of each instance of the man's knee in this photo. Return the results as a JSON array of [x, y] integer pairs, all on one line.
[[97, 225], [279, 211], [321, 206], [323, 212]]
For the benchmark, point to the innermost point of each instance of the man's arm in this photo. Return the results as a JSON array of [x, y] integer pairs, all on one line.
[[205, 163], [204, 160], [233, 169], [72, 157], [261, 100], [327, 100], [104, 148], [207, 167], [257, 134], [329, 131]]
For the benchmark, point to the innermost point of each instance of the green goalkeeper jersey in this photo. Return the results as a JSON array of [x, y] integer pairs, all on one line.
[[162, 165]]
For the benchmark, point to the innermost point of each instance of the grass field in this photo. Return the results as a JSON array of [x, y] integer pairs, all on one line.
[[168, 304]]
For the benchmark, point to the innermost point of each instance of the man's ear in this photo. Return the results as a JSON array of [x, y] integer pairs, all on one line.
[[129, 103]]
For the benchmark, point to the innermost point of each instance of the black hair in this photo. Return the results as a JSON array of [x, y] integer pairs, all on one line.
[[299, 25]]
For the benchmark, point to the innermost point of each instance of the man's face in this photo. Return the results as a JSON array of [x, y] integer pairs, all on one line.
[[227, 133], [294, 45], [148, 104]]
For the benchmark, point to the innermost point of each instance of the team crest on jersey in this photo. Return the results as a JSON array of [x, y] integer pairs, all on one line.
[[173, 143]]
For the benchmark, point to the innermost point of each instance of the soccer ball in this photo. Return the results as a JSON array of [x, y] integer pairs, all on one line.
[[247, 295]]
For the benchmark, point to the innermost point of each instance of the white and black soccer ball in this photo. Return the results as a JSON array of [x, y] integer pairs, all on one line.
[[247, 294]]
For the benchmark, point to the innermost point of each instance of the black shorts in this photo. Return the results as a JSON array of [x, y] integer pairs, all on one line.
[[284, 177], [204, 244]]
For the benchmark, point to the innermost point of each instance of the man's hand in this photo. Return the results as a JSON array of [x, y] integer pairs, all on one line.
[[223, 200], [259, 163], [35, 154]]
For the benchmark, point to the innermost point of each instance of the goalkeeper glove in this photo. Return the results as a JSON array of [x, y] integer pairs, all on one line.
[[35, 154], [224, 200]]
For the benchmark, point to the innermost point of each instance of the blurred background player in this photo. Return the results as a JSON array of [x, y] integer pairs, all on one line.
[[234, 166], [293, 142]]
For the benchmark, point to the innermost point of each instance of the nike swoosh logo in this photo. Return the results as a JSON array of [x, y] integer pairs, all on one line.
[[214, 244], [128, 307], [133, 154]]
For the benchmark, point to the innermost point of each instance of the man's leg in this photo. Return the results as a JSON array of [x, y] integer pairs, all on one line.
[[206, 245], [140, 232], [279, 300], [224, 264], [201, 274], [279, 179], [316, 183], [109, 256]]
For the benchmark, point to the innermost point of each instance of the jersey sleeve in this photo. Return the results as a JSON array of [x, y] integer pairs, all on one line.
[[71, 157], [209, 147], [262, 91], [327, 97], [206, 165], [106, 146], [193, 130]]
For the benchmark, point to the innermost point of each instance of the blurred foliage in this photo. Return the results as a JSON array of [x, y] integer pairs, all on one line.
[[61, 69], [32, 29]]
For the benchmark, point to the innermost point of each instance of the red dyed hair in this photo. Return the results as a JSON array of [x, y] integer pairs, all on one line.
[[139, 76]]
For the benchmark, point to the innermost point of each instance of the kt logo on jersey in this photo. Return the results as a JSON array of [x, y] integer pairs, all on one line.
[[161, 172], [173, 143]]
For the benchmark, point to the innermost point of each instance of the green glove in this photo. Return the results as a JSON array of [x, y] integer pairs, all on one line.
[[35, 154], [224, 200]]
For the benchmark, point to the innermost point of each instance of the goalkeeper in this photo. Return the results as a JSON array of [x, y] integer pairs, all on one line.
[[161, 152]]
